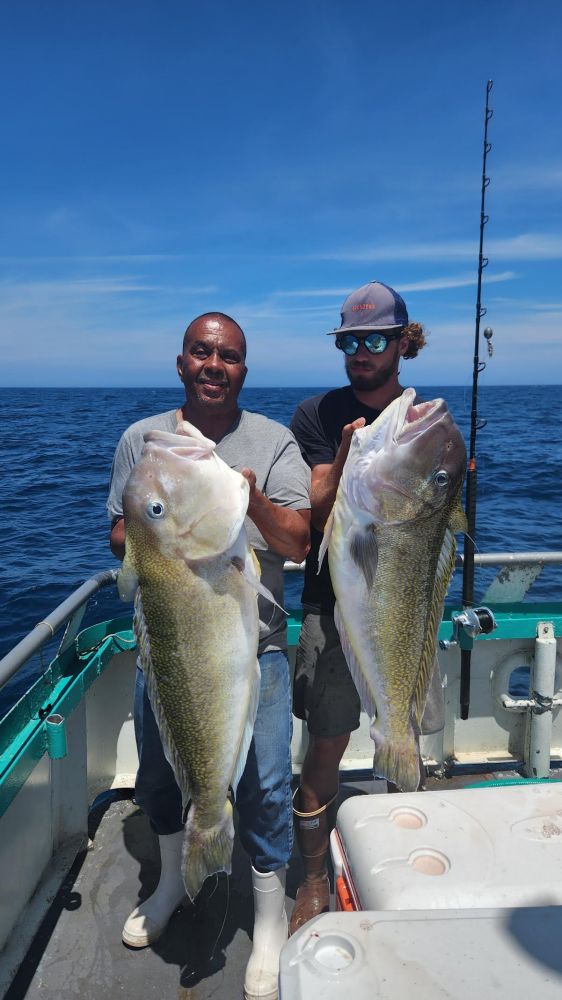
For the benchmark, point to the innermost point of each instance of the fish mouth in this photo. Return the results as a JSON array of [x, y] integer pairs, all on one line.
[[411, 421], [228, 541], [414, 419], [217, 509]]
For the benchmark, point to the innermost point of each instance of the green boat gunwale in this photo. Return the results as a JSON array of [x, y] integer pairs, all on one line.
[[23, 731]]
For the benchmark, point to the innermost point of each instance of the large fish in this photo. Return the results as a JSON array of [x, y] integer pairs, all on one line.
[[196, 623], [391, 551]]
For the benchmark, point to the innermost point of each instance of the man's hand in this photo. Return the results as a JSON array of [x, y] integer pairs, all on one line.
[[250, 475], [286, 531], [117, 539], [347, 434]]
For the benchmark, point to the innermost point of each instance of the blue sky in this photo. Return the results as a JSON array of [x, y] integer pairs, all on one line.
[[160, 159]]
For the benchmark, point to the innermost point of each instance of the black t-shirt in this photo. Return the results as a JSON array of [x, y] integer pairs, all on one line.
[[317, 425]]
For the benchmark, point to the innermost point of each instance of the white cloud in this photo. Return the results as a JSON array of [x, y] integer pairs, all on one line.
[[29, 294], [527, 305], [522, 177], [438, 284], [527, 246], [274, 307], [73, 288], [141, 258], [427, 285], [311, 293]]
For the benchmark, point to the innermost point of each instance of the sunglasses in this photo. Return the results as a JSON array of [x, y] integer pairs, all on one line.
[[376, 343]]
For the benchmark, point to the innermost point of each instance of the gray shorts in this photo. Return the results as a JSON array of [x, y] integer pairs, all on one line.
[[324, 694]]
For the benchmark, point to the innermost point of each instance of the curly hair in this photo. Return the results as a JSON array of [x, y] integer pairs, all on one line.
[[416, 335]]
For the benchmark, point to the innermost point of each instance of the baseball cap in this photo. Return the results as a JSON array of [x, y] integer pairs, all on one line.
[[374, 306]]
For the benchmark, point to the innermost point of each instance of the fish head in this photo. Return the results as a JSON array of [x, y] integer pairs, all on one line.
[[408, 464], [182, 499]]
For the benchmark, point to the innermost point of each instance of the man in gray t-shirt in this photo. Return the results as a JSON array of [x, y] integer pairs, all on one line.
[[212, 369]]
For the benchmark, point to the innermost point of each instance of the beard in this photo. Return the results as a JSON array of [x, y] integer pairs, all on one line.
[[366, 379]]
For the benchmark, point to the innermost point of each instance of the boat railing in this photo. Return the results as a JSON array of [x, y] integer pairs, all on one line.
[[519, 570], [70, 613], [486, 559]]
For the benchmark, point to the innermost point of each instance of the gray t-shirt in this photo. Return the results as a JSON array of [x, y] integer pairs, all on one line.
[[258, 443]]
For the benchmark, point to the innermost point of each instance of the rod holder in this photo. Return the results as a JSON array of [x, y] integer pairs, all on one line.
[[538, 735], [56, 736]]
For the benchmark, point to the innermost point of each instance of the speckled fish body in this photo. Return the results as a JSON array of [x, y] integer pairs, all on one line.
[[391, 550], [196, 622]]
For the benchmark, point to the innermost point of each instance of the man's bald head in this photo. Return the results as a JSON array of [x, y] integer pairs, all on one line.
[[208, 320]]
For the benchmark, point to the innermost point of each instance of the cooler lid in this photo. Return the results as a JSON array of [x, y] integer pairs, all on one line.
[[431, 954]]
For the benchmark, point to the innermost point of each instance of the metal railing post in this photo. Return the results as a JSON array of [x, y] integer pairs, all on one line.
[[538, 733]]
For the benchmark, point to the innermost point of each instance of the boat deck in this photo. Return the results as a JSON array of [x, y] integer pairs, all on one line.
[[78, 950]]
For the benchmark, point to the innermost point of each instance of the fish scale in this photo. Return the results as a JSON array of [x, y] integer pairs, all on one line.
[[411, 605], [187, 694]]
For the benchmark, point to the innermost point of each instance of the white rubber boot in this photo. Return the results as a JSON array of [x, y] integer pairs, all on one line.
[[270, 934], [148, 920]]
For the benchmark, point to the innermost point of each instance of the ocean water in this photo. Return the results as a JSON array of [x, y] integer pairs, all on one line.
[[56, 448]]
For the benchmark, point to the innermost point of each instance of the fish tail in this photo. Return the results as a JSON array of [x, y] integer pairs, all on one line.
[[398, 760], [207, 850]]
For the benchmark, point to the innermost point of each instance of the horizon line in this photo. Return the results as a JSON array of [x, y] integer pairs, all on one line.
[[447, 385]]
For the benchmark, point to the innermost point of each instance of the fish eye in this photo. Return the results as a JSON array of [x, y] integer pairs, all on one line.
[[155, 509], [441, 478]]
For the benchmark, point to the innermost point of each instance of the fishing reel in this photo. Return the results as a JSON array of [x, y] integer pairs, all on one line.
[[473, 622]]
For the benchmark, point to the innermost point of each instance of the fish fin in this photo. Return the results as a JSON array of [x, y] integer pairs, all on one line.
[[185, 429], [187, 441], [364, 551], [127, 579], [328, 528], [458, 523], [398, 761], [443, 574], [248, 564], [206, 851], [250, 568], [173, 758], [366, 696], [248, 731], [256, 563]]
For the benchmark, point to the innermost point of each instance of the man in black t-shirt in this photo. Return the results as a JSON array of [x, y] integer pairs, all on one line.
[[374, 335]]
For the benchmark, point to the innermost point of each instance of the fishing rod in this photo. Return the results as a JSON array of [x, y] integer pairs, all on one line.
[[475, 620]]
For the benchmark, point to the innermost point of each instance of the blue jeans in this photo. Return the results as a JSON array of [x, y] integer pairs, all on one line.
[[263, 799]]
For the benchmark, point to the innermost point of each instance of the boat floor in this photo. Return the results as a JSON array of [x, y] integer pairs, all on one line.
[[78, 951]]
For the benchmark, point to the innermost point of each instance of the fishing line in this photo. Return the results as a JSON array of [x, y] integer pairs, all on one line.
[[212, 955], [473, 540]]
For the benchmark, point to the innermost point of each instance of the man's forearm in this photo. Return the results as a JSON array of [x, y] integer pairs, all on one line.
[[285, 530], [325, 478], [323, 493]]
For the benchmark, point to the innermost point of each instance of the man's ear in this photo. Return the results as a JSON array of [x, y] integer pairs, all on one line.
[[403, 345]]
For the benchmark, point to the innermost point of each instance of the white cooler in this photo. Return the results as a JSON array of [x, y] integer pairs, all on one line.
[[455, 954], [482, 847]]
